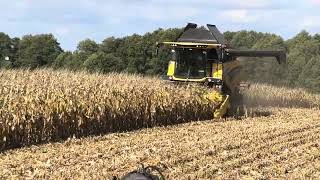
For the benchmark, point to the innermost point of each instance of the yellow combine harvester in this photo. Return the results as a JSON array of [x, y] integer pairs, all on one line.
[[202, 55]]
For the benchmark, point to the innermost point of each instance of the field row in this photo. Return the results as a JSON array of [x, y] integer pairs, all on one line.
[[284, 145]]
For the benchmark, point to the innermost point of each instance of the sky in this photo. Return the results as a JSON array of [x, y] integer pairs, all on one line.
[[71, 21]]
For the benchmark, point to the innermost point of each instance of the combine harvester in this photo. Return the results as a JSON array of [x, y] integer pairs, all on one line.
[[203, 56]]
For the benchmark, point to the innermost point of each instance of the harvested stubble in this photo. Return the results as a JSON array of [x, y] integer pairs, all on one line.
[[284, 145], [44, 105]]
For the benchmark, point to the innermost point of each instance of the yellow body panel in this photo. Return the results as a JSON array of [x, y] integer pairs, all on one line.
[[171, 68], [217, 70], [223, 100]]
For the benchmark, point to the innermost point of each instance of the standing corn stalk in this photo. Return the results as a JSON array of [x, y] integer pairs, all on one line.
[[43, 105]]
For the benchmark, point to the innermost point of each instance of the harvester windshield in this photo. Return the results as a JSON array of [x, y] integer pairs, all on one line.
[[191, 63]]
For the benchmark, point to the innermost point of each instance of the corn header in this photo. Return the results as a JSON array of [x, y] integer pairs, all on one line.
[[202, 55]]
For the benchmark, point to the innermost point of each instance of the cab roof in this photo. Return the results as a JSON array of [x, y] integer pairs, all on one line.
[[210, 35], [197, 35]]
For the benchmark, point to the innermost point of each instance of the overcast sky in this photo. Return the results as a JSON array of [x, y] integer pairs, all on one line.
[[74, 20]]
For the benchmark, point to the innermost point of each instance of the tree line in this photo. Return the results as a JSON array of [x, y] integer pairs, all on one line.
[[135, 54]]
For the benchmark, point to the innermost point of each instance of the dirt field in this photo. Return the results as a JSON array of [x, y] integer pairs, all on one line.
[[283, 143]]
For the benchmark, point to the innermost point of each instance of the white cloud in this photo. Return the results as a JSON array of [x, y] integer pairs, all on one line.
[[239, 16], [149, 10], [229, 4], [74, 20], [170, 13], [310, 22], [316, 2], [62, 31], [252, 3]]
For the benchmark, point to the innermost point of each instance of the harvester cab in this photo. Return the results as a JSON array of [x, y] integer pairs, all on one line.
[[203, 55]]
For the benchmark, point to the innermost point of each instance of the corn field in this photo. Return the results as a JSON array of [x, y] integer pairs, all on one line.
[[44, 105], [268, 95]]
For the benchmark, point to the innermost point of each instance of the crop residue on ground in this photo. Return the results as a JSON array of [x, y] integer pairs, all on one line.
[[284, 145]]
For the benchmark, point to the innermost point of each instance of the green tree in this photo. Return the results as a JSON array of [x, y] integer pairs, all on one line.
[[14, 51], [229, 35], [104, 63], [245, 39], [37, 51], [5, 43], [84, 50], [87, 47], [110, 45], [5, 50], [310, 76], [64, 60], [302, 48], [317, 37]]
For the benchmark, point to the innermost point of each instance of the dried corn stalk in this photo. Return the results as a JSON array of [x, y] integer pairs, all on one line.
[[45, 105]]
